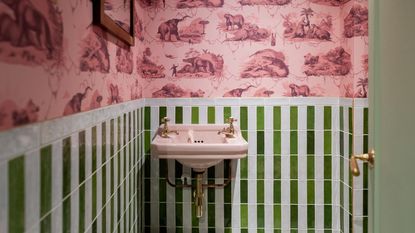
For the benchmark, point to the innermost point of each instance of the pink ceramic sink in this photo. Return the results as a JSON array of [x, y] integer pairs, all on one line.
[[198, 146]]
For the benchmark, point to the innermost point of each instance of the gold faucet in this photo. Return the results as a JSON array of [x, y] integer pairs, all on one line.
[[165, 132], [229, 131]]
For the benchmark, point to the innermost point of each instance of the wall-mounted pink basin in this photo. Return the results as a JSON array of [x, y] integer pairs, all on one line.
[[198, 146]]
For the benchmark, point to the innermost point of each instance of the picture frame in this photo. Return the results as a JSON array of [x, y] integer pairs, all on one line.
[[104, 15]]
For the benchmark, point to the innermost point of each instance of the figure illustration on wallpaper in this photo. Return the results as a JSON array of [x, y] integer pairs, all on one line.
[[199, 3], [74, 105], [241, 30], [299, 27], [266, 63], [174, 70], [273, 39], [114, 97], [95, 56], [12, 115], [237, 92], [147, 68], [362, 86], [356, 22], [171, 90], [27, 29], [336, 62], [264, 2], [330, 2], [201, 65], [263, 92], [136, 91], [124, 60]]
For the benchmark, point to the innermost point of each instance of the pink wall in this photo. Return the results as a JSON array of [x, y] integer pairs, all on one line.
[[265, 48]]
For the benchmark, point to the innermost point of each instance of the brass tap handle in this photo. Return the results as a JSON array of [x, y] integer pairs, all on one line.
[[165, 132], [231, 120], [369, 158], [164, 120]]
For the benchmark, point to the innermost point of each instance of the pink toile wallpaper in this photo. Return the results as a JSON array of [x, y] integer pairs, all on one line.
[[54, 62]]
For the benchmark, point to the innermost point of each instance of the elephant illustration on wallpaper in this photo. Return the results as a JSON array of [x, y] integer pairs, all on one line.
[[169, 31], [75, 103], [336, 62], [201, 65], [199, 3], [95, 55], [172, 90], [266, 63], [301, 27], [170, 28], [26, 29], [264, 2], [240, 30], [147, 68], [330, 2], [356, 22]]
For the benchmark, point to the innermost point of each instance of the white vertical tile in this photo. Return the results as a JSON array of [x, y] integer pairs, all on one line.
[[285, 167], [187, 205], [108, 173], [252, 143], [219, 115], [319, 118], [302, 155], [32, 187], [154, 194], [154, 122], [285, 215], [203, 221], [302, 192], [74, 182], [252, 118], [335, 216], [302, 117], [88, 181], [268, 165], [252, 216], [57, 178], [219, 198], [268, 118], [269, 143], [302, 217], [171, 198], [4, 197], [268, 193], [285, 117], [357, 225], [187, 115], [203, 115], [358, 121], [99, 177], [319, 216], [235, 112], [236, 195], [285, 143], [269, 218], [171, 114]]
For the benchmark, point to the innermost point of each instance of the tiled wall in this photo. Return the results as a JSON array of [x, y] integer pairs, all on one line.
[[92, 172], [294, 178], [81, 173]]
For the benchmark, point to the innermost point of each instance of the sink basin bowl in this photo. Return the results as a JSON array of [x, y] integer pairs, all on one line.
[[198, 146]]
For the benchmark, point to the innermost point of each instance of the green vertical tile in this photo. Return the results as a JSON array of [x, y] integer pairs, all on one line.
[[244, 215], [277, 192], [294, 118], [293, 167], [179, 214], [227, 112], [244, 191], [16, 221], [81, 216], [365, 202], [211, 214], [179, 115], [310, 167], [327, 217], [147, 142], [350, 120], [260, 191], [104, 177], [365, 121], [310, 142], [277, 117], [310, 191], [260, 215], [277, 216], [195, 115], [310, 117], [147, 118], [45, 188], [294, 217], [327, 167], [341, 118], [244, 168], [260, 118], [260, 165], [66, 185], [327, 142], [94, 176], [277, 142], [244, 118], [294, 142], [327, 192], [260, 142], [162, 113], [310, 216], [294, 191], [327, 118], [277, 167], [211, 115]]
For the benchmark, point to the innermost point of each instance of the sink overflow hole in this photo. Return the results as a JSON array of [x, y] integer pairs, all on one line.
[[198, 141]]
